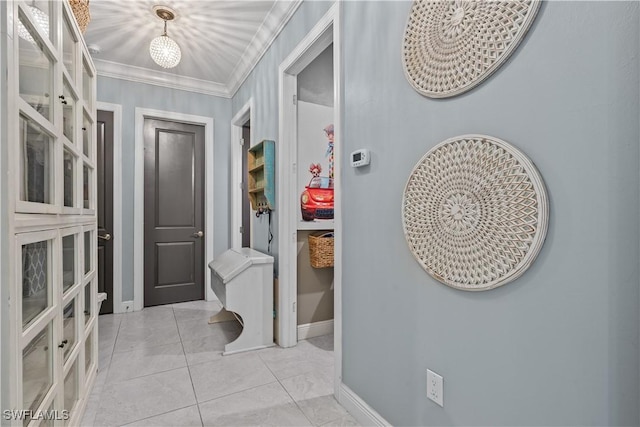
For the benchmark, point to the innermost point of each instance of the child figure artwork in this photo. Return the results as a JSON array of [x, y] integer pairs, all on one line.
[[316, 200], [328, 130], [315, 169]]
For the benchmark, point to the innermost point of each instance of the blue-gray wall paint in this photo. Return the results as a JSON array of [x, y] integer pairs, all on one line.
[[137, 95], [262, 85], [559, 346]]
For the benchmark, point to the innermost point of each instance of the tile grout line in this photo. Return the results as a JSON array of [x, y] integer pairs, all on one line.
[[237, 392], [106, 374], [145, 376], [193, 387], [154, 373], [160, 372], [156, 415], [285, 390]]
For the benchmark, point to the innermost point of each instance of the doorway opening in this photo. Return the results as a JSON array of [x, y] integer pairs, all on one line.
[[109, 173], [104, 167], [303, 74]]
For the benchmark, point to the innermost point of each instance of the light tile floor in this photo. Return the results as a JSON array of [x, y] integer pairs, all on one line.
[[163, 366]]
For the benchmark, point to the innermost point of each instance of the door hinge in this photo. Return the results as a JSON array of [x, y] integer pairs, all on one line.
[[294, 307], [293, 167], [295, 99], [242, 185], [241, 141], [241, 229]]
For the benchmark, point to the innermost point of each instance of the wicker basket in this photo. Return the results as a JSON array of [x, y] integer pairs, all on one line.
[[321, 249], [80, 10]]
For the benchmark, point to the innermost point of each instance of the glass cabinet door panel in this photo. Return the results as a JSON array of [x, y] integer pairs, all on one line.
[[48, 421], [41, 18], [69, 181], [68, 47], [69, 327], [71, 388], [88, 353], [87, 131], [68, 262], [86, 85], [87, 175], [37, 369], [87, 302], [68, 108], [36, 72], [36, 280], [87, 252], [36, 167]]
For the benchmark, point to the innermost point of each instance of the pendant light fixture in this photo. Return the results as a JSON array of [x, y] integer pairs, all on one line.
[[164, 50], [41, 20]]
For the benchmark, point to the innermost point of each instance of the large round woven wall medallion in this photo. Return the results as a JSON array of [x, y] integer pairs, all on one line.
[[451, 46], [475, 212]]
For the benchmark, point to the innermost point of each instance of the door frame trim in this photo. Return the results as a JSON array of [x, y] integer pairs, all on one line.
[[138, 208], [245, 113], [116, 109], [326, 31]]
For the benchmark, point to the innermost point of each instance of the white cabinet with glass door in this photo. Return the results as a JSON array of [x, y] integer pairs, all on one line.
[[51, 119]]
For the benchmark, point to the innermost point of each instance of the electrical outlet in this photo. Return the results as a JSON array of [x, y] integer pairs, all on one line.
[[435, 389]]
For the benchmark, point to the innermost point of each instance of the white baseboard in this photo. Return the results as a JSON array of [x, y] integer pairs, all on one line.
[[125, 307], [359, 409], [316, 329]]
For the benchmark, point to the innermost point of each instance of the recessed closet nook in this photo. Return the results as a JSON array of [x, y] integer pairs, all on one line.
[[315, 208]]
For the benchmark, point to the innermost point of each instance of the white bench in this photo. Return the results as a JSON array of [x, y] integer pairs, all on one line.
[[242, 279]]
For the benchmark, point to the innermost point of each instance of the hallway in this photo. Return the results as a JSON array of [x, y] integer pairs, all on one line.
[[163, 367]]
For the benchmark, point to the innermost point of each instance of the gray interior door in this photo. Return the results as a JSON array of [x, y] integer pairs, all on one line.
[[105, 207], [173, 212]]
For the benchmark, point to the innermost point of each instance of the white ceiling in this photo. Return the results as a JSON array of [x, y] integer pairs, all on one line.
[[221, 40]]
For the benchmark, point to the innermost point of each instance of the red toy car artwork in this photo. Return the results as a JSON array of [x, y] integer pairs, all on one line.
[[316, 200]]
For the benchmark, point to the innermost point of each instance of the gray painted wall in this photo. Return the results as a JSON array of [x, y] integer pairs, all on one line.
[[559, 346], [315, 82], [262, 85], [132, 95], [315, 286]]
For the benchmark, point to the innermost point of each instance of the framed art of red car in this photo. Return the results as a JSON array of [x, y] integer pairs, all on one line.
[[316, 201]]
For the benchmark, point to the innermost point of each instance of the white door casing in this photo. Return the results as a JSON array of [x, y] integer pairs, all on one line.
[[246, 113]]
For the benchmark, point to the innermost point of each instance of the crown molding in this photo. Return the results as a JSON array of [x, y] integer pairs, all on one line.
[[158, 78], [274, 23]]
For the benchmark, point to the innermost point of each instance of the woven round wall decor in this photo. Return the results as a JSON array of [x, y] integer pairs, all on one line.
[[451, 46], [475, 212]]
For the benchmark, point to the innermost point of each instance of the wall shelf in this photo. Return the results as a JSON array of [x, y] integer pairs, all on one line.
[[257, 168], [324, 224], [262, 175]]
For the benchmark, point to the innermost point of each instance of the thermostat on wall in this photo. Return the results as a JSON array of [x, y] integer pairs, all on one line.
[[360, 158]]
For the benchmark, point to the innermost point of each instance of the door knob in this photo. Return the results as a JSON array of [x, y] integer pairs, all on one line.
[[106, 237], [198, 234]]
